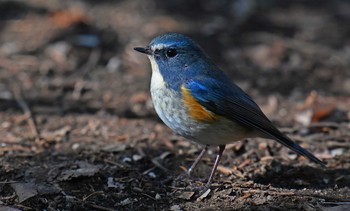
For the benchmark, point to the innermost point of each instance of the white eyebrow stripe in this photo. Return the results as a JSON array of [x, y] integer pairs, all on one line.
[[158, 47]]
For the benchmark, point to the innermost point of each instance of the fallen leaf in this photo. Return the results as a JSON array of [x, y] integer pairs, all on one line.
[[111, 183], [245, 196], [185, 195], [322, 111], [126, 202], [337, 151], [116, 147], [6, 208], [260, 200], [344, 207], [24, 191], [317, 108], [304, 117], [83, 170]]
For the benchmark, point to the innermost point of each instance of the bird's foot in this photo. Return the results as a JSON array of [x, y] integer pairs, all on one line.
[[197, 187], [200, 191], [187, 181], [182, 180]]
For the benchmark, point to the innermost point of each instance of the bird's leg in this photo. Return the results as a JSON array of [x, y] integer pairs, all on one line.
[[216, 163], [181, 178], [190, 170]]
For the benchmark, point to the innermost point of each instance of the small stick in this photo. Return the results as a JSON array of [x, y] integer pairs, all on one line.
[[27, 112]]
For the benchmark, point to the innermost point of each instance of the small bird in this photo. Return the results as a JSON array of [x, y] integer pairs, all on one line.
[[197, 100]]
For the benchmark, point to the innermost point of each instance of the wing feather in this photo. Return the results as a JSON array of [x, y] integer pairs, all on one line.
[[228, 100]]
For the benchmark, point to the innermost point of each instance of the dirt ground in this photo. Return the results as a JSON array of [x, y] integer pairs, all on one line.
[[77, 126]]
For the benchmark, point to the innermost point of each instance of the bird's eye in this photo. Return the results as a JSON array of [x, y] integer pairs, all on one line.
[[171, 53]]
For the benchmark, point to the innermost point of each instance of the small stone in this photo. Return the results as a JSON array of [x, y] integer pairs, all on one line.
[[75, 146], [127, 160], [152, 174], [136, 157], [175, 208]]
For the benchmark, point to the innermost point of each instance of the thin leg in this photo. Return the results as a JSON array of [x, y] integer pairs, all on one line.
[[216, 163], [189, 171]]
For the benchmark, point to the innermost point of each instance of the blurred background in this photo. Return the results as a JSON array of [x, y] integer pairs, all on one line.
[[72, 87], [56, 48]]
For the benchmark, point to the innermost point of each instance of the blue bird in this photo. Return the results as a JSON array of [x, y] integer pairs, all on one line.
[[197, 100]]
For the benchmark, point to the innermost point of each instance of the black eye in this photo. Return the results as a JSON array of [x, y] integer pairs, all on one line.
[[171, 52]]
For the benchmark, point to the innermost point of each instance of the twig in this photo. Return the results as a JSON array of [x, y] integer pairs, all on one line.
[[156, 163], [273, 191], [92, 194], [23, 207], [27, 112], [92, 61], [336, 203], [78, 88], [145, 194], [101, 208], [326, 197], [149, 170], [9, 182], [114, 163]]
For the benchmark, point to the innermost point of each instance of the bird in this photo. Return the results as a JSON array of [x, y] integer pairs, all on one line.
[[198, 101]]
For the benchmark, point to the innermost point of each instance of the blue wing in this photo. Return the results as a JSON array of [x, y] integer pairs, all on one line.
[[228, 100]]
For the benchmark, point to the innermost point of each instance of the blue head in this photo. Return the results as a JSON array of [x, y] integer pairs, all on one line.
[[178, 59]]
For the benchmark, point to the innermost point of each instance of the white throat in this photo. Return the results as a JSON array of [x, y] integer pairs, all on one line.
[[157, 81]]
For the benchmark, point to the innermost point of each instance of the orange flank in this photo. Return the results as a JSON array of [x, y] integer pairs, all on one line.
[[196, 111]]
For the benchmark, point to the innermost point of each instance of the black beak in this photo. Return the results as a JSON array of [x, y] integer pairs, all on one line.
[[145, 50]]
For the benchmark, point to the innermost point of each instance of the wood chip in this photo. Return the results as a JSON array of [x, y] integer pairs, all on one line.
[[185, 195], [204, 195], [224, 170]]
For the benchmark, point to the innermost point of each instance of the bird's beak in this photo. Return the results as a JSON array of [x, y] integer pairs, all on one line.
[[145, 50]]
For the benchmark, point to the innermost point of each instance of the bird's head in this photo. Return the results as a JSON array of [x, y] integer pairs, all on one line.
[[176, 57]]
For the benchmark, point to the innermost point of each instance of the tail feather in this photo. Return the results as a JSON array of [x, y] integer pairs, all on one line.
[[284, 140]]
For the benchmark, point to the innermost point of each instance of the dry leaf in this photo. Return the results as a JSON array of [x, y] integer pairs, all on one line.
[[83, 170], [69, 17], [24, 191]]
